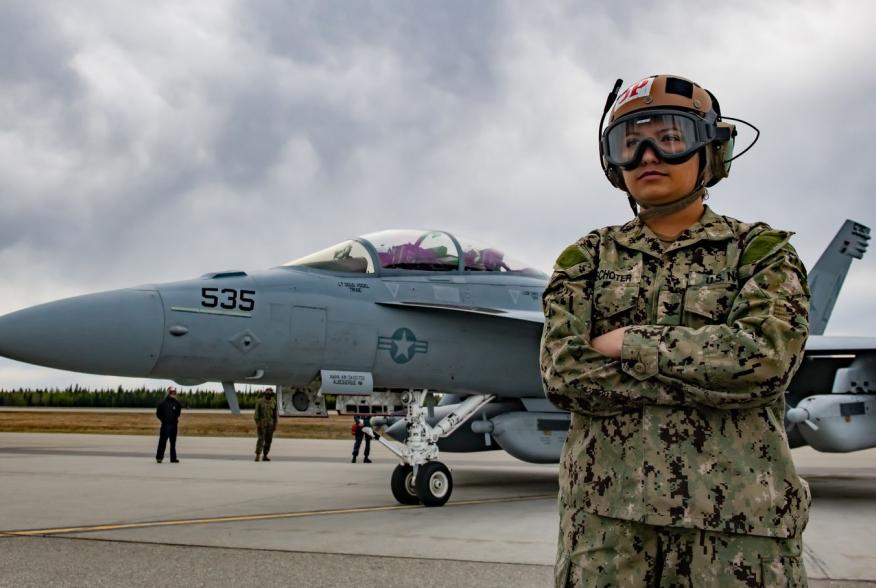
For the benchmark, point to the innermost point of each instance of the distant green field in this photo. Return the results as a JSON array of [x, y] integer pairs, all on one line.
[[191, 423], [76, 397]]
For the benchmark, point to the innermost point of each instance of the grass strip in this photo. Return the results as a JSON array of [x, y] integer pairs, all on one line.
[[192, 424]]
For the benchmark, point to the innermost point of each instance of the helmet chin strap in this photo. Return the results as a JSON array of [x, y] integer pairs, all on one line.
[[650, 211]]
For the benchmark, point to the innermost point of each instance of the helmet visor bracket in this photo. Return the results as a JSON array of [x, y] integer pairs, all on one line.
[[673, 135]]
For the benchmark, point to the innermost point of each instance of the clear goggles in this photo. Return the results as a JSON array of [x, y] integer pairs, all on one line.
[[673, 135]]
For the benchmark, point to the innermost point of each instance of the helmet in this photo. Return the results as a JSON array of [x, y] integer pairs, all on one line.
[[676, 118]]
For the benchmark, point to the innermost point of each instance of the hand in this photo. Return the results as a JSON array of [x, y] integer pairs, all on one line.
[[610, 343]]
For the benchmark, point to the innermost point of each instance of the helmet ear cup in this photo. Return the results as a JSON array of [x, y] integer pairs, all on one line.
[[719, 155]]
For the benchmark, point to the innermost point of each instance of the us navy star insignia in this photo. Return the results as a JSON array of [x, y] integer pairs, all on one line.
[[402, 345]]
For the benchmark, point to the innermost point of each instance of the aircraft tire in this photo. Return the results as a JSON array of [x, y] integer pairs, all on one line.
[[402, 484], [434, 483]]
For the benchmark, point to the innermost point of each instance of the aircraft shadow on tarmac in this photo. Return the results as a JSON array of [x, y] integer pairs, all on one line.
[[528, 481], [838, 486]]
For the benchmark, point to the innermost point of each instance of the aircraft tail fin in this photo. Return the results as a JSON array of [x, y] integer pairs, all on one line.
[[827, 276]]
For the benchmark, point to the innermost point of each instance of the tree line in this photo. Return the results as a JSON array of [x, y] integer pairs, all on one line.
[[77, 397]]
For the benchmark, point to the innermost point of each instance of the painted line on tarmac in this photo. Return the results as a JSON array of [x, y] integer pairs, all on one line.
[[258, 517]]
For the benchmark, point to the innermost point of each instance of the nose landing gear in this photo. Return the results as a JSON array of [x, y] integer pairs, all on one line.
[[421, 478]]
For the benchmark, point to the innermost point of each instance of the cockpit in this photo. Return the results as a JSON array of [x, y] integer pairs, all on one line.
[[414, 250]]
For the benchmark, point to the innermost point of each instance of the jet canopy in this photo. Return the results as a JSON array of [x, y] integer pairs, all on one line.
[[414, 250]]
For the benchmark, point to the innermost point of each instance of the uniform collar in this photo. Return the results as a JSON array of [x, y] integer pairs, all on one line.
[[636, 234]]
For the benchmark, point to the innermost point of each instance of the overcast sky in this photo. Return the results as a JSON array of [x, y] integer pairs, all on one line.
[[156, 141]]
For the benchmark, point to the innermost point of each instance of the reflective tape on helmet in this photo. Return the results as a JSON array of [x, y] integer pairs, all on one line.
[[640, 89]]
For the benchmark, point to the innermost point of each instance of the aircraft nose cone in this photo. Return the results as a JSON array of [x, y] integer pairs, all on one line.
[[114, 333]]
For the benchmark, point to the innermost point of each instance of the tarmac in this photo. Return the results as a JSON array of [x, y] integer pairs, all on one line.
[[96, 510]]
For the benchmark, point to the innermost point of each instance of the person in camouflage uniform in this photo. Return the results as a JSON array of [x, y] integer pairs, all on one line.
[[266, 421], [671, 340]]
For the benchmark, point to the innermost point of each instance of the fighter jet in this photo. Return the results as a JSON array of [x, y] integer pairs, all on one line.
[[386, 319], [831, 401]]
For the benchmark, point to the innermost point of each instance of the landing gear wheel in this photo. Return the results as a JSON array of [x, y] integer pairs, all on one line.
[[402, 484], [434, 483]]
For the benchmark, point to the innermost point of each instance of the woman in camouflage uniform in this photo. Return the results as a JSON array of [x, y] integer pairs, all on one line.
[[671, 340]]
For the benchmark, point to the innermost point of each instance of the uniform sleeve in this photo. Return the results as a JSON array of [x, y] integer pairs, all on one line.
[[255, 413], [748, 361], [575, 376]]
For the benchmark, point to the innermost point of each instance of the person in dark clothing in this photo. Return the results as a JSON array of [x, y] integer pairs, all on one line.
[[360, 423], [168, 412]]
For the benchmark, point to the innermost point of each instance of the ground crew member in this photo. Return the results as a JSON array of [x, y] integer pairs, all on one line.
[[168, 412], [266, 421], [671, 340], [359, 423]]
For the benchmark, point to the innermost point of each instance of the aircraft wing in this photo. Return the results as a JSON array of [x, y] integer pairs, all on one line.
[[532, 316]]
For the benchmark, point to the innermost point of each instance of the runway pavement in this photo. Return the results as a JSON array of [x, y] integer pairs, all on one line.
[[97, 510]]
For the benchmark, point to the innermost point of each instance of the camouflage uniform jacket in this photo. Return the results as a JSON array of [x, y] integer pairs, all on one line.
[[684, 430], [266, 412]]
